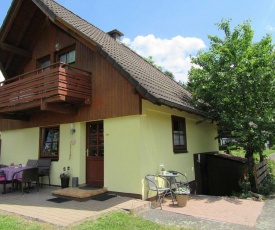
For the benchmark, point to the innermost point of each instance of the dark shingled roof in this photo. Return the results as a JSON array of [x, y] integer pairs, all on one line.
[[151, 83]]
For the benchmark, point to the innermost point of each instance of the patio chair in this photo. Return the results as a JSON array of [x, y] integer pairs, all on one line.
[[153, 181], [180, 181], [3, 181], [32, 163], [44, 166], [3, 166], [28, 175]]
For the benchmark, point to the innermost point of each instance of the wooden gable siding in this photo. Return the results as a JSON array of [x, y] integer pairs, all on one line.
[[112, 94]]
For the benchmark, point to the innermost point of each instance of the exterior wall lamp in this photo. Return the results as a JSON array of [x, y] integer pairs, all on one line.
[[72, 128], [57, 47]]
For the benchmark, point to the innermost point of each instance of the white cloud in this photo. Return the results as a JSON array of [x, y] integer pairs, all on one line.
[[270, 28], [171, 54]]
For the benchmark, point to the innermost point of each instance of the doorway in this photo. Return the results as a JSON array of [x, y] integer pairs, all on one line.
[[95, 154]]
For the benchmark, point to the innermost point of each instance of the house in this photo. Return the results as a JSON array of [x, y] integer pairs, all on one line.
[[76, 95]]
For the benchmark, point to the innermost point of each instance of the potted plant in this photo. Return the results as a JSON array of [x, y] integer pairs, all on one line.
[[182, 194], [65, 177]]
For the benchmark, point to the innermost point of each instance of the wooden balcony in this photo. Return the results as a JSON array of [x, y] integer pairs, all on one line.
[[58, 88]]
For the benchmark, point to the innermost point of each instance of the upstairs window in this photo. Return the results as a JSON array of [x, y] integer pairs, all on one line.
[[49, 142], [67, 57], [179, 135], [43, 63]]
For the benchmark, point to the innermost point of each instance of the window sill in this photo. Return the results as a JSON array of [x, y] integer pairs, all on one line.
[[180, 151]]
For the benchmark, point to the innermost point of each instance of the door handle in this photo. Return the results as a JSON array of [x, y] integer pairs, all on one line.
[[87, 152]]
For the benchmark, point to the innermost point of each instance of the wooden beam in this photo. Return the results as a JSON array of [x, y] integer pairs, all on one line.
[[12, 15], [15, 50], [21, 107], [15, 117], [57, 108], [76, 33]]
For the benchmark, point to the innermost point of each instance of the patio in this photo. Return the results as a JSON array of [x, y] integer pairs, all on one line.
[[69, 212], [35, 205]]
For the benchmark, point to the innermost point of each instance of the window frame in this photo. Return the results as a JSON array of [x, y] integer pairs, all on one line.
[[66, 51], [179, 148], [43, 140], [44, 63]]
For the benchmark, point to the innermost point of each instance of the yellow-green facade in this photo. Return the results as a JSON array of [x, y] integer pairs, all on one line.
[[133, 147]]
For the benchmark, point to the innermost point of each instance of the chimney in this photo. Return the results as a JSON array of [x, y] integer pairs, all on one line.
[[115, 34]]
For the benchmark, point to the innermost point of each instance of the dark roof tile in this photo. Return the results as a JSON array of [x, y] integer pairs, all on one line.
[[161, 88]]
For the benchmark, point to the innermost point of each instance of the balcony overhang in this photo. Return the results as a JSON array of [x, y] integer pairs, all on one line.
[[56, 88]]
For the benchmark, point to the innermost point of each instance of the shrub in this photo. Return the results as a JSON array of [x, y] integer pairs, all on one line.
[[268, 186], [222, 147]]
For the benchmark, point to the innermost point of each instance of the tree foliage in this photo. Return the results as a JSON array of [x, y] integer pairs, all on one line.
[[234, 82], [152, 62]]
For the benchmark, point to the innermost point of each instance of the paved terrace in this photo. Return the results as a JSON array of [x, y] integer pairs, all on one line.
[[201, 212], [35, 205]]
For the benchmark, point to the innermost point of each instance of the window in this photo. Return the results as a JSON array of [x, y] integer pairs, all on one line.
[[179, 135], [68, 57], [44, 63], [96, 138], [49, 144]]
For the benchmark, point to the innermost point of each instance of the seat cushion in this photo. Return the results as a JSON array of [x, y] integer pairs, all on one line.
[[2, 178]]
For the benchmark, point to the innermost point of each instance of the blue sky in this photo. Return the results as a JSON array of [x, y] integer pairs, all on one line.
[[170, 30]]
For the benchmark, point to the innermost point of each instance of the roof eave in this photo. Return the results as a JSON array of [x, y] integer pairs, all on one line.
[[57, 20], [144, 92], [162, 101], [45, 10]]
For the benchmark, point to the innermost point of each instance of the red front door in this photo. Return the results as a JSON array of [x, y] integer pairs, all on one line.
[[95, 154]]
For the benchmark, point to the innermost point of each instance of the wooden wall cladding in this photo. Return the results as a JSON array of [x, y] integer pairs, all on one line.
[[112, 94]]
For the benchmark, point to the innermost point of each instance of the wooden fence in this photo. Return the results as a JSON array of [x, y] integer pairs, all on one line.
[[260, 172]]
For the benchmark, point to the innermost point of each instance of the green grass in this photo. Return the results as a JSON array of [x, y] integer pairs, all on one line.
[[113, 221], [120, 220], [12, 221], [241, 153]]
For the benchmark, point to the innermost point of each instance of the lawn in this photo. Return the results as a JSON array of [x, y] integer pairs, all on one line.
[[241, 153], [114, 221]]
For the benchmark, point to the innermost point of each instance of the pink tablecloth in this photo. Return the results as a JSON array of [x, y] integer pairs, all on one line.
[[9, 171]]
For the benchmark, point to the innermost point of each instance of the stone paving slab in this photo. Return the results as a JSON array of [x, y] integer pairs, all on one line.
[[35, 205], [225, 209]]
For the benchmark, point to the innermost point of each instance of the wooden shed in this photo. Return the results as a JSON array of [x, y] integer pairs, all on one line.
[[219, 174]]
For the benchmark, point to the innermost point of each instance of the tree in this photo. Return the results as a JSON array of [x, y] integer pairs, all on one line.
[[234, 83], [152, 62]]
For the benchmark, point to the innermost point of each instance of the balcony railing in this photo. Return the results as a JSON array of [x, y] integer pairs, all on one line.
[[56, 83]]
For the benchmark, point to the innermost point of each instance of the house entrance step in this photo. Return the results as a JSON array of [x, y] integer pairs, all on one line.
[[77, 193]]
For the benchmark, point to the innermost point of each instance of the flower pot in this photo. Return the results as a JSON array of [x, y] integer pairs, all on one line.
[[182, 199], [65, 182]]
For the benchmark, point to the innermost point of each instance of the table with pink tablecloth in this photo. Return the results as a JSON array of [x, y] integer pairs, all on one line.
[[9, 171]]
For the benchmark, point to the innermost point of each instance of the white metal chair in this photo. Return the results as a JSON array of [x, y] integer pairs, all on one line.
[[153, 181], [180, 181]]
